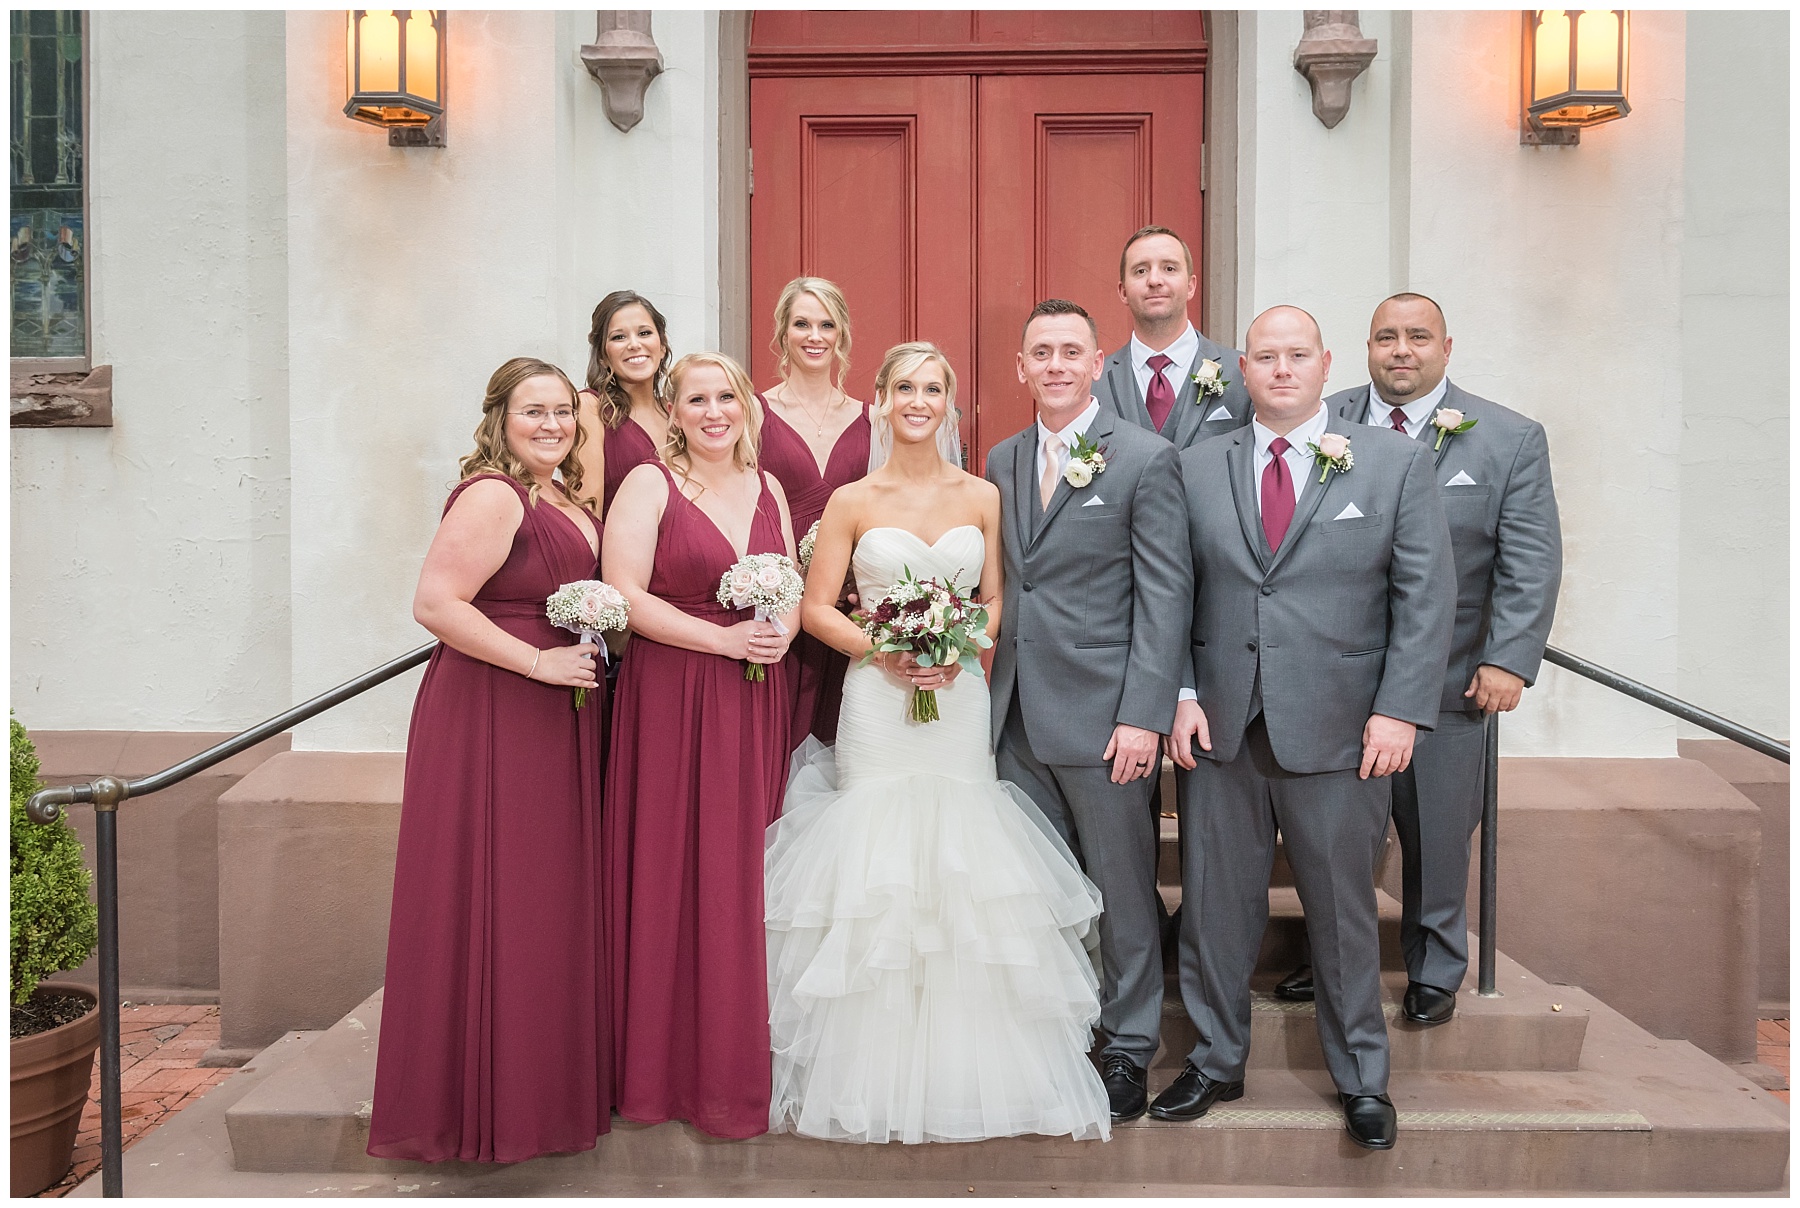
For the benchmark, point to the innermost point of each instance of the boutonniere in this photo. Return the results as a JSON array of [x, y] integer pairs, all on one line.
[[1448, 421], [1332, 453], [1211, 381], [1087, 461]]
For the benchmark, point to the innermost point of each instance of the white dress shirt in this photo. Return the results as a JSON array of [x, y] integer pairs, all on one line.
[[1417, 413], [1182, 352], [1077, 427], [1299, 459]]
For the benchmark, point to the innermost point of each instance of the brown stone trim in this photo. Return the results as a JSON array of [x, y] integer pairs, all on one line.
[[63, 400], [975, 60]]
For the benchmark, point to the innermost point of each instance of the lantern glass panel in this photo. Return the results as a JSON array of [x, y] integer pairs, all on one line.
[[421, 55], [1597, 51], [1550, 55], [380, 45]]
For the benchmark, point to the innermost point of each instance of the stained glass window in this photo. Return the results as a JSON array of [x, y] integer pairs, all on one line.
[[49, 293]]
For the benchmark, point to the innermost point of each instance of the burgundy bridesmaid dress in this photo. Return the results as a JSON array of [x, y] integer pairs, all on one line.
[[696, 773], [628, 446], [495, 1036], [819, 670]]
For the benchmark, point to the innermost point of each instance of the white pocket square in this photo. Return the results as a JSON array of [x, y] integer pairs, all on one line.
[[1461, 479], [1095, 502], [1218, 413], [1350, 512]]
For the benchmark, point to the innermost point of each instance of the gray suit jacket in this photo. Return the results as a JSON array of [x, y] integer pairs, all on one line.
[[1352, 615], [1187, 424], [1505, 533], [1097, 593]]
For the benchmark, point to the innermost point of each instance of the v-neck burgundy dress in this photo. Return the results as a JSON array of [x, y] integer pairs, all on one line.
[[696, 774], [627, 447], [495, 1037], [818, 669]]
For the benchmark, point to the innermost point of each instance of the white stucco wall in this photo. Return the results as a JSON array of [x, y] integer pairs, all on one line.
[[1735, 371], [416, 272], [150, 559]]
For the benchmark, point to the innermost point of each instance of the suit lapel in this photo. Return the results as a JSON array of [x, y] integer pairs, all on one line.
[[1314, 493], [1125, 388], [1356, 407], [1025, 504], [1452, 398], [1240, 463], [1097, 431]]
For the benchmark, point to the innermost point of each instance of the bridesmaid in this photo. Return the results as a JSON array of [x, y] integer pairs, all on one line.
[[698, 765], [495, 1040], [816, 440], [624, 410]]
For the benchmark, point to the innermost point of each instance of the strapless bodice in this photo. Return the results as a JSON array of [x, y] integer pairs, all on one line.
[[885, 554]]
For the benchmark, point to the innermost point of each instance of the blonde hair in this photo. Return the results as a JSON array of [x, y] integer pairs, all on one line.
[[900, 363], [492, 454], [831, 298], [675, 453]]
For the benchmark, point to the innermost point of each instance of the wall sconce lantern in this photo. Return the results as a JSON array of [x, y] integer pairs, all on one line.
[[1574, 72], [394, 59]]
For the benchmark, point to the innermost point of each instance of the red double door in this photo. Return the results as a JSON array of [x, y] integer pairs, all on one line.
[[948, 170]]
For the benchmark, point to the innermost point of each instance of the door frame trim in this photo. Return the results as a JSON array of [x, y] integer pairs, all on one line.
[[1066, 59]]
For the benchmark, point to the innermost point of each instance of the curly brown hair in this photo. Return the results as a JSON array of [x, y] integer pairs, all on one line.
[[492, 456]]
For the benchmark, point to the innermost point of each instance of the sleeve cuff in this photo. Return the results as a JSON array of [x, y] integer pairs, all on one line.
[[1187, 694]]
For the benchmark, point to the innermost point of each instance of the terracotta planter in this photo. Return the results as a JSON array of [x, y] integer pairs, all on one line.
[[51, 1073]]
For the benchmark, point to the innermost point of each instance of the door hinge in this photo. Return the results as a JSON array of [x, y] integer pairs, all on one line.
[[1203, 167], [750, 159]]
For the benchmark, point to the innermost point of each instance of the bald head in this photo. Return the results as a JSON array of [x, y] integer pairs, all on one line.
[[1285, 365]]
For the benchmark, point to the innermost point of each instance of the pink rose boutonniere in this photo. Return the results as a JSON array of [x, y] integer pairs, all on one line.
[[1449, 421], [1332, 452]]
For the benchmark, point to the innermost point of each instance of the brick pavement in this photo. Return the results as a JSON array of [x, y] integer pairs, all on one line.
[[1772, 1048], [159, 1055]]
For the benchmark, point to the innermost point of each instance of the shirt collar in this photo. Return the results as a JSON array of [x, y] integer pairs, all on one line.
[[1419, 408], [1181, 351], [1077, 426], [1311, 430]]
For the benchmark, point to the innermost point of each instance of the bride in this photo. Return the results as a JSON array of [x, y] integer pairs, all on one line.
[[929, 978]]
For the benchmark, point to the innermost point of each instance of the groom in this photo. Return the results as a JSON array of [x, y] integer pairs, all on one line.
[[1086, 672]]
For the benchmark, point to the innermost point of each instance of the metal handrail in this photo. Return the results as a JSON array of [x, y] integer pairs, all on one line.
[[105, 793], [1490, 788]]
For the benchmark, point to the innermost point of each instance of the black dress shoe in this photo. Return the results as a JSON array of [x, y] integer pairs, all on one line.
[[1427, 1004], [1125, 1092], [1369, 1119], [1192, 1095], [1296, 986]]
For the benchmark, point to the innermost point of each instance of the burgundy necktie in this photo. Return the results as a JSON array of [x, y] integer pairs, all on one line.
[[1397, 418], [1160, 396], [1277, 494]]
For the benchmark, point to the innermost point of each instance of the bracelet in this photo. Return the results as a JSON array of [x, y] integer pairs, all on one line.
[[536, 654]]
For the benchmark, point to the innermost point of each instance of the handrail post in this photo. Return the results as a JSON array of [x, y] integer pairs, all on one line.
[[108, 791], [1490, 853]]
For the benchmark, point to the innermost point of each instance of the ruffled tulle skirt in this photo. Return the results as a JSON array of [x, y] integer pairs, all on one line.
[[931, 975]]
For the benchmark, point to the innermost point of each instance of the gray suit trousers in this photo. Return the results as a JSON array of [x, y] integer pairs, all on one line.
[[1333, 826], [1112, 831], [1437, 806]]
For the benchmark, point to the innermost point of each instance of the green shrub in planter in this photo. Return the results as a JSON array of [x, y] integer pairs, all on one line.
[[54, 923]]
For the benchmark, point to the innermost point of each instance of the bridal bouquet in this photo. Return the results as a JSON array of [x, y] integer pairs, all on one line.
[[940, 623], [586, 607], [768, 583]]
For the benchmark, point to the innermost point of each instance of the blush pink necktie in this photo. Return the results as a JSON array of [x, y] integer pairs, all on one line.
[[1160, 397], [1053, 448], [1277, 494]]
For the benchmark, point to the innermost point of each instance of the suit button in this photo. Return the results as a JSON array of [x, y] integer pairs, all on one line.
[[1251, 645], [1028, 585], [1268, 591]]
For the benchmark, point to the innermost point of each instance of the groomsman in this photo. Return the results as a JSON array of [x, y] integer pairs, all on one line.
[[1492, 467], [1089, 658], [1323, 612], [1168, 377]]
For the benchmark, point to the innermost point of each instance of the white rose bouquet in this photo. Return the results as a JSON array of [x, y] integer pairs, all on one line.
[[587, 607], [768, 583], [940, 623]]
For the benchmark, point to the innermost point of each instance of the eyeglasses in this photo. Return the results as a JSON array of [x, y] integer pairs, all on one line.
[[535, 415]]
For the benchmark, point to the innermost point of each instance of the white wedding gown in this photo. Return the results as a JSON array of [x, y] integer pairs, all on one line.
[[928, 933]]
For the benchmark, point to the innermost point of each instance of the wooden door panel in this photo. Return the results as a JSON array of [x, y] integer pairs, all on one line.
[[869, 183], [1068, 167]]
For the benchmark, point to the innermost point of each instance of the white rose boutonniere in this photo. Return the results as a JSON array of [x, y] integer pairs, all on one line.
[[1087, 461], [1210, 381], [1332, 453], [1449, 421]]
